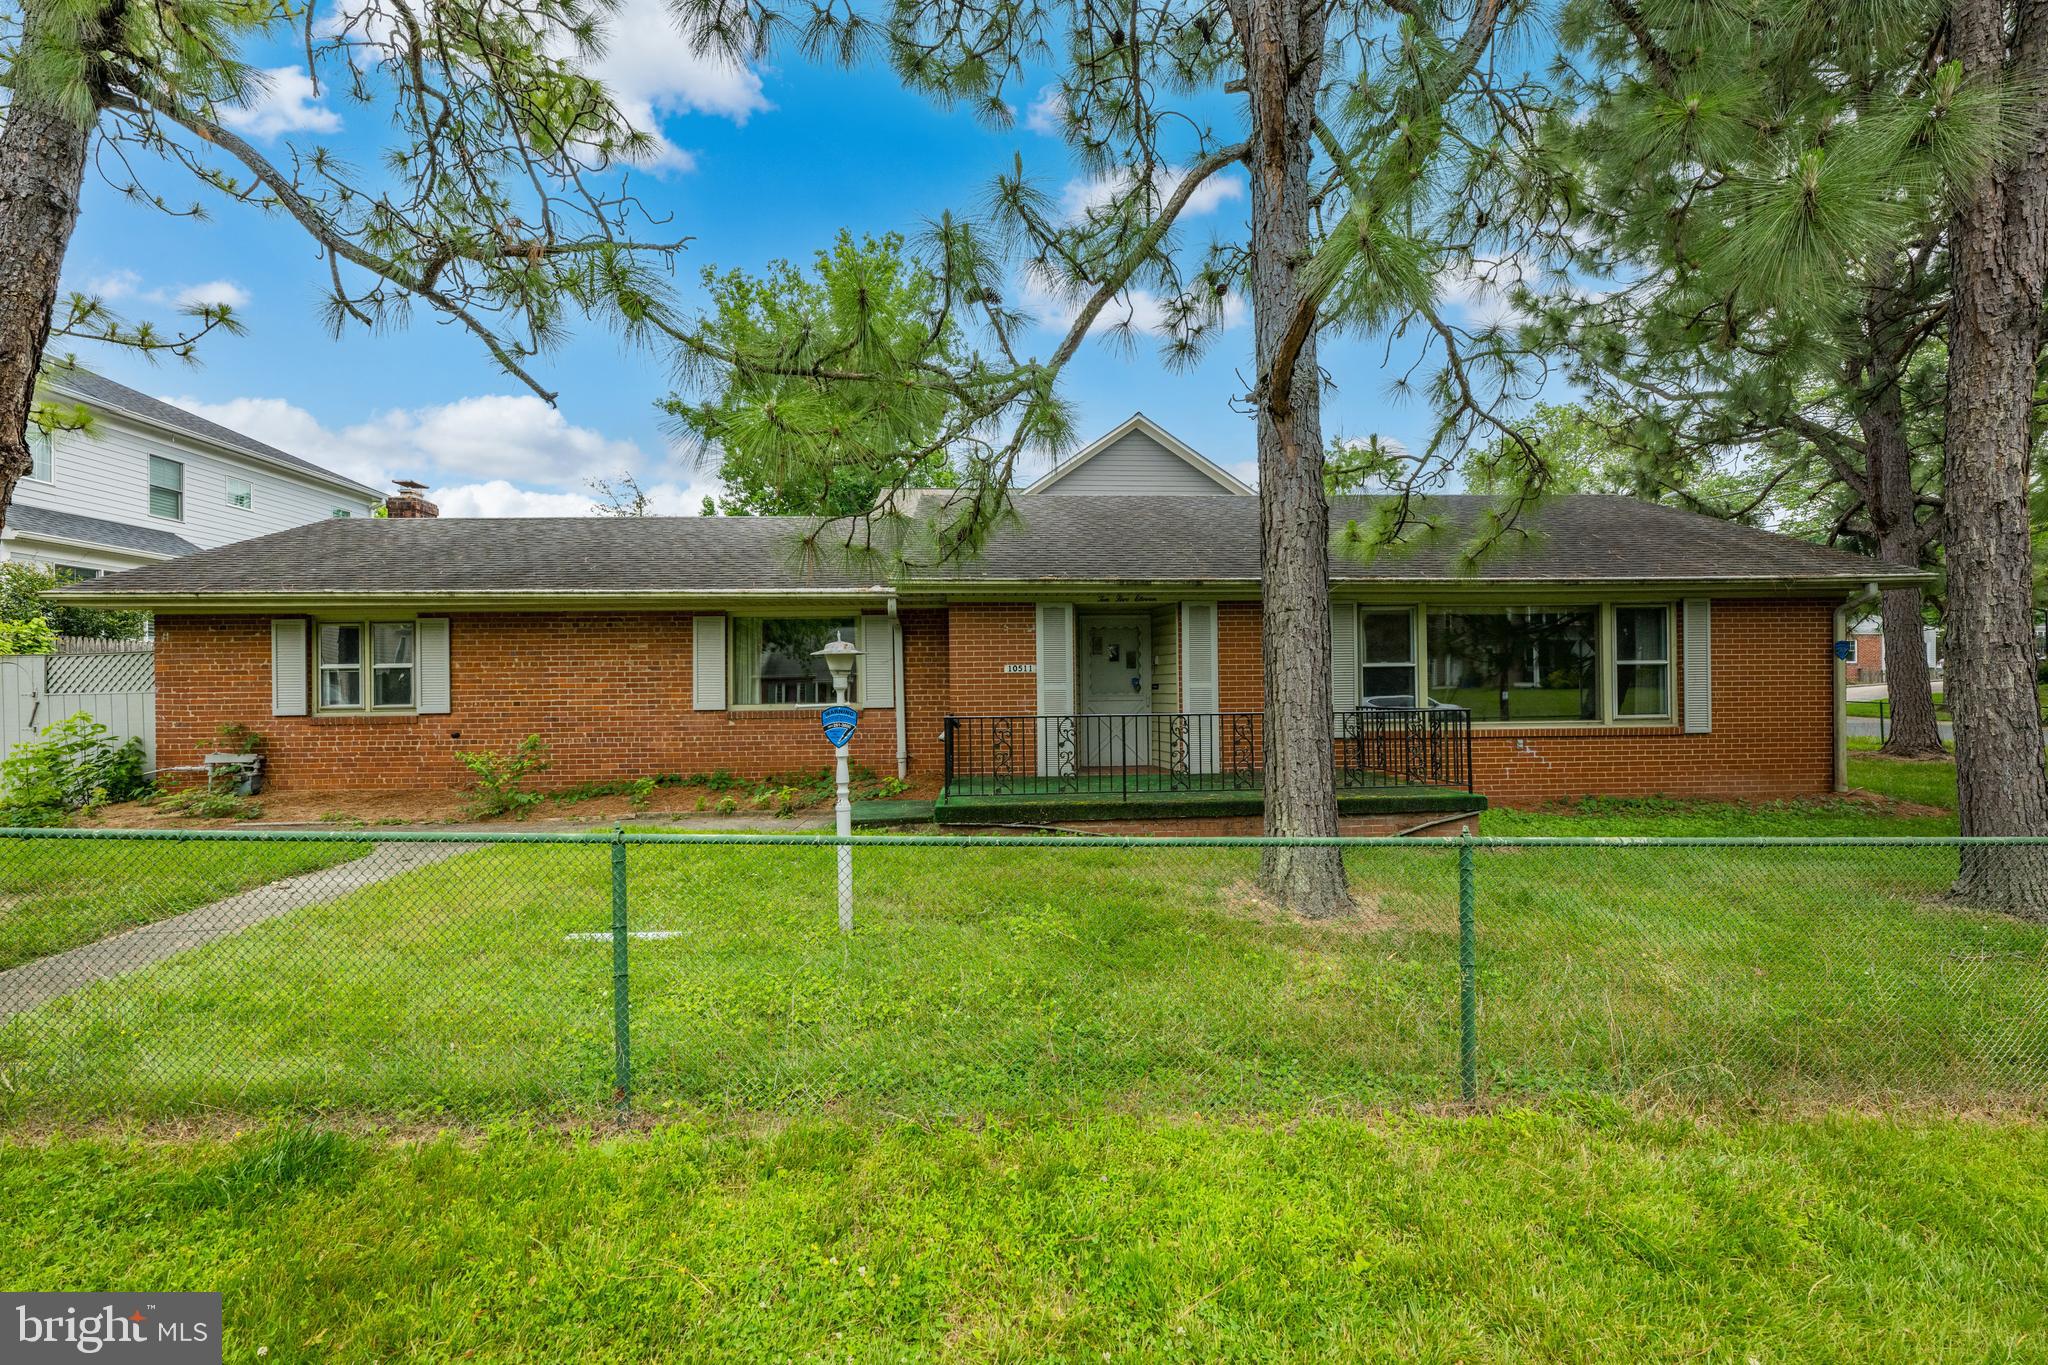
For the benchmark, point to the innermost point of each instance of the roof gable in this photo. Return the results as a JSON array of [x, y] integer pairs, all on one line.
[[1138, 456]]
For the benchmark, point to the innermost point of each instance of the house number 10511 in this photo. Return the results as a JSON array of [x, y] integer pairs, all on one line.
[[1020, 668]]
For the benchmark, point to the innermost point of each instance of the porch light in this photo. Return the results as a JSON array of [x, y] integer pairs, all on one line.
[[839, 656]]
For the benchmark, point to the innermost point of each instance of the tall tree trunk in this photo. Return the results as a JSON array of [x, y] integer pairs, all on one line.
[[42, 166], [2001, 258], [1915, 733], [1283, 68]]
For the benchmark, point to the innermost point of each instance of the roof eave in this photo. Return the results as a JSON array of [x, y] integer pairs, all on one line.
[[310, 472]]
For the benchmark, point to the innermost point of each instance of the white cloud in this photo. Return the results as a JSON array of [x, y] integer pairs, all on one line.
[[1141, 310], [490, 455], [502, 498], [211, 293], [283, 102], [115, 284], [1081, 197], [653, 70], [1047, 113]]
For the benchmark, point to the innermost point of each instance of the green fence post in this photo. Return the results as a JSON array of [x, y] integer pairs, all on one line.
[[1468, 974], [622, 1046]]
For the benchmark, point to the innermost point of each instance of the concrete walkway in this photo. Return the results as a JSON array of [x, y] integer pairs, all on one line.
[[1866, 727], [48, 978]]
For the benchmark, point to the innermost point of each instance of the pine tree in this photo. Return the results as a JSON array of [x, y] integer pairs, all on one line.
[[1769, 187], [495, 201], [1388, 152]]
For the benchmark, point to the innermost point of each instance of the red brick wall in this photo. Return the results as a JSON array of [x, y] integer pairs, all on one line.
[[926, 696], [609, 691], [1774, 708], [1868, 665], [1240, 667]]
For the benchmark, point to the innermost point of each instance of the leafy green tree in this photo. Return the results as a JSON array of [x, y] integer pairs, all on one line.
[[494, 203], [1391, 157], [791, 441], [21, 599], [1823, 226], [1770, 185]]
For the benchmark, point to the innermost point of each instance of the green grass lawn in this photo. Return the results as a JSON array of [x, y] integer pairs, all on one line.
[[58, 894], [1032, 981], [1588, 1235]]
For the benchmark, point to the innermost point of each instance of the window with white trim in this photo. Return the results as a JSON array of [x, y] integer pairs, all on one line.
[[241, 495], [166, 488], [772, 663], [1386, 655], [40, 463], [367, 665], [1516, 663], [1642, 663]]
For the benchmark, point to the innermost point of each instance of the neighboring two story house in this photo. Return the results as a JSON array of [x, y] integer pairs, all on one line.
[[151, 482]]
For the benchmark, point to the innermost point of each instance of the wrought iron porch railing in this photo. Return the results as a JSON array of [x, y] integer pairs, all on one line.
[[1218, 751]]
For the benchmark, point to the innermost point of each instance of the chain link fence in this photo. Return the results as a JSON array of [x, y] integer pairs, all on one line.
[[158, 973]]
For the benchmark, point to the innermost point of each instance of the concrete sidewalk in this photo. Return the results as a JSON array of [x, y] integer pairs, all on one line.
[[49, 978]]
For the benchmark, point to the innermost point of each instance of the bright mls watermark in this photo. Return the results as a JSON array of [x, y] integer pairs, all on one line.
[[163, 1329]]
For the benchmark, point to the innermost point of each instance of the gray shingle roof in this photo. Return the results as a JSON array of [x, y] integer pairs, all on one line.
[[42, 521], [95, 388], [1056, 540]]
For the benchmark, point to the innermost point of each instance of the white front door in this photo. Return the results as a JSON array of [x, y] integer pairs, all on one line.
[[1116, 680]]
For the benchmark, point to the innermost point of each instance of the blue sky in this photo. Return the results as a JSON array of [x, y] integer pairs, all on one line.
[[759, 164]]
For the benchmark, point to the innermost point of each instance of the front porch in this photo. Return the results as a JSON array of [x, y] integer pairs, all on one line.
[[1030, 768]]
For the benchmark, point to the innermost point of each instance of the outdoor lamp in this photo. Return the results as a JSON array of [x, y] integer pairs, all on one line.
[[839, 656], [839, 722]]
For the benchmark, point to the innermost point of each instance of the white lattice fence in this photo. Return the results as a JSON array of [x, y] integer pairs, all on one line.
[[119, 690]]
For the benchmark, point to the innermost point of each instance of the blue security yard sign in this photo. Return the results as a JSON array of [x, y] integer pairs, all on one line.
[[839, 722], [1845, 650]]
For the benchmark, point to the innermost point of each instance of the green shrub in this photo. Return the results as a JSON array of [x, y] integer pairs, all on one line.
[[74, 765], [237, 738], [500, 778], [203, 804], [32, 636]]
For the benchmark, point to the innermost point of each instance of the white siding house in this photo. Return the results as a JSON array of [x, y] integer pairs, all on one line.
[[151, 482]]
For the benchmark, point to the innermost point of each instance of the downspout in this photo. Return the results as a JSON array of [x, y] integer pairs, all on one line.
[[902, 722], [1871, 592]]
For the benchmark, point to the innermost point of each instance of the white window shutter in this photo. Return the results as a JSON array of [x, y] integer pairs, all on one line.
[[1699, 666], [1055, 656], [1201, 685], [707, 663], [1344, 676], [877, 661], [430, 634], [287, 666]]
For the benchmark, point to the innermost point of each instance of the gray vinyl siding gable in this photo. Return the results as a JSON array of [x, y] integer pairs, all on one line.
[[105, 473], [1135, 463]]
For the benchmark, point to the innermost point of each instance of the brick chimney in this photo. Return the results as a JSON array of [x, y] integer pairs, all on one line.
[[410, 501]]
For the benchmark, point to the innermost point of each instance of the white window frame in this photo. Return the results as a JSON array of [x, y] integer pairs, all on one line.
[[1417, 683], [154, 486], [734, 691], [248, 502], [368, 667], [1611, 647], [39, 440]]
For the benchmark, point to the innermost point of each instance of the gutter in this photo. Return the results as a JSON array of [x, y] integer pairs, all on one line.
[[1871, 592], [902, 688], [310, 471]]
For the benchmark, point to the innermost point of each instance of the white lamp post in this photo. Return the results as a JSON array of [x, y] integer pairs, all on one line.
[[839, 656]]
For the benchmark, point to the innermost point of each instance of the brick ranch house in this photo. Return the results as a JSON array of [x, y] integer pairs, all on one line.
[[1109, 636]]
